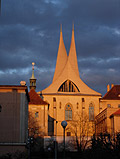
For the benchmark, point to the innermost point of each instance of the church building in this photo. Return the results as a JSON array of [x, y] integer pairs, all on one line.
[[68, 96]]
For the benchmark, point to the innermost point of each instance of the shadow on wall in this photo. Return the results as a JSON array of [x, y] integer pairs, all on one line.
[[50, 126]]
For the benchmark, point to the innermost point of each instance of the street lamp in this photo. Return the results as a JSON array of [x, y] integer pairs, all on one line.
[[64, 124]]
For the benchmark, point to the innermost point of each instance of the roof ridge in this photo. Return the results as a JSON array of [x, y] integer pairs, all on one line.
[[36, 99], [112, 93]]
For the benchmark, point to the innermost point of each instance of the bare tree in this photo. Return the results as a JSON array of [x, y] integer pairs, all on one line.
[[82, 128], [34, 127]]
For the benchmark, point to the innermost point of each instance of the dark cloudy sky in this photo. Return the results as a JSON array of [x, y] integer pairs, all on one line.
[[29, 32]]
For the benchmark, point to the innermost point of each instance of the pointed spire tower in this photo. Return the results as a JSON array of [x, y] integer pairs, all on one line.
[[66, 78], [61, 57], [72, 54], [33, 79]]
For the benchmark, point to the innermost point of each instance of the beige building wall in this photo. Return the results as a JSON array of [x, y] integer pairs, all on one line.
[[109, 103], [116, 124], [57, 109], [41, 121], [103, 122]]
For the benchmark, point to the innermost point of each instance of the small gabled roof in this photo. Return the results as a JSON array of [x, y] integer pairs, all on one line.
[[117, 113], [35, 98], [113, 93]]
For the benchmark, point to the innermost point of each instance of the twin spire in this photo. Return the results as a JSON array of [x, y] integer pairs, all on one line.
[[63, 59], [66, 71]]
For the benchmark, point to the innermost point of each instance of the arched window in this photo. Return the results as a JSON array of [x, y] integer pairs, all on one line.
[[68, 86], [68, 112], [36, 114], [91, 112]]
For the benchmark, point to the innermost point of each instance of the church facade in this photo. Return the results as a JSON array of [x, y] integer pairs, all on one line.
[[69, 97]]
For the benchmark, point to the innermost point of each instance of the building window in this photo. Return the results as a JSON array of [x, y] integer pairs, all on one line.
[[83, 100], [60, 105], [109, 105], [118, 105], [36, 130], [54, 99], [68, 86], [91, 112], [68, 133], [68, 112], [36, 114], [77, 105]]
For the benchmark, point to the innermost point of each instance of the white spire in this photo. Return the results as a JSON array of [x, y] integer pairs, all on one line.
[[61, 57], [72, 53], [67, 69]]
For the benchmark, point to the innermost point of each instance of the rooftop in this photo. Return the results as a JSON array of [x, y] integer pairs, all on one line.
[[35, 98], [113, 93]]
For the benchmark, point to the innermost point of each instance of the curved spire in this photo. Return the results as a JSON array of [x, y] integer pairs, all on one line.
[[69, 71], [61, 57], [72, 53]]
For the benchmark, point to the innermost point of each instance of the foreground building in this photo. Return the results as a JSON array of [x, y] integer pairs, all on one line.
[[38, 111], [107, 121], [68, 96], [38, 115], [13, 118], [70, 99]]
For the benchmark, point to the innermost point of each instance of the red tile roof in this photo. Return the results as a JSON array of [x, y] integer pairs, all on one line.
[[113, 93], [116, 113], [35, 98]]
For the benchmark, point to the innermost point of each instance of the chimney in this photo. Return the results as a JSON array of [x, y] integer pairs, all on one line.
[[112, 85], [108, 87], [23, 83]]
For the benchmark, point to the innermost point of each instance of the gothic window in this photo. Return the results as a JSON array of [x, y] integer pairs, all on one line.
[[36, 114], [68, 112], [91, 112], [68, 86]]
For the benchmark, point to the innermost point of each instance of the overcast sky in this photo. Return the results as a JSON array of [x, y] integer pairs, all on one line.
[[29, 32]]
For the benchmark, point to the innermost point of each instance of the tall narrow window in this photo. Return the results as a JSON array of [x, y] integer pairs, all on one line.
[[36, 114], [91, 112], [68, 112]]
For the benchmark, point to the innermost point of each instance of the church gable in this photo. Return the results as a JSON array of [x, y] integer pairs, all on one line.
[[66, 76]]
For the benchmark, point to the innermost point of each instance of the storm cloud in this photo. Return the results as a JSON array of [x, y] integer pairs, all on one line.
[[29, 32]]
